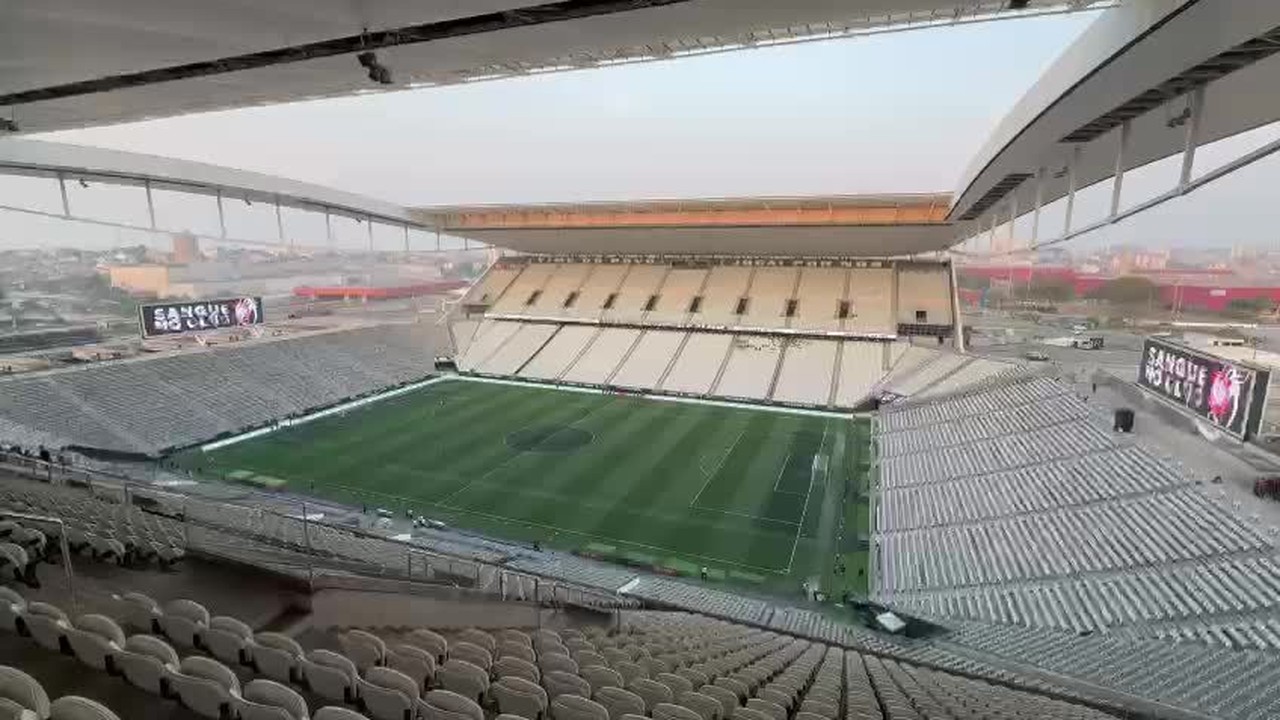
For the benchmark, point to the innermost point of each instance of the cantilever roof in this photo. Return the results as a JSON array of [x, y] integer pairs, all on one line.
[[850, 225]]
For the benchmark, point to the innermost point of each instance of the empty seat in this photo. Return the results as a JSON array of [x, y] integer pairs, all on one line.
[[74, 707], [47, 624], [517, 696], [676, 683], [147, 662], [509, 648], [576, 707], [183, 621], [600, 677], [431, 642], [15, 564], [140, 613], [269, 700], [95, 640], [478, 637], [620, 702], [771, 710], [589, 657], [727, 699], [515, 667], [24, 691], [513, 636], [413, 661], [562, 683], [205, 686], [12, 607], [464, 678], [563, 663], [708, 708], [388, 694], [473, 654], [446, 705], [329, 675], [364, 649], [630, 672], [227, 638], [670, 711], [820, 708], [652, 692], [277, 656], [332, 712]]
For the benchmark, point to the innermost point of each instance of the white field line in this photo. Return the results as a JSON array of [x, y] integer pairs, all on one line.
[[319, 414], [716, 470], [800, 527]]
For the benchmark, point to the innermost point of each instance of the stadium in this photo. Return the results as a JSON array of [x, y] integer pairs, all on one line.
[[698, 459]]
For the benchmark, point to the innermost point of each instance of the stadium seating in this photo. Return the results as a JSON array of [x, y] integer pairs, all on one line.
[[1011, 506], [147, 405], [655, 664], [546, 326]]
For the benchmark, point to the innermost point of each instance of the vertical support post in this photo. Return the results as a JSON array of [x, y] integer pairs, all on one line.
[[406, 239], [1035, 216], [62, 186], [328, 227], [222, 217], [279, 223], [991, 234], [1071, 189], [151, 204], [437, 239], [1192, 140], [1126, 130], [368, 221], [66, 562], [1013, 219]]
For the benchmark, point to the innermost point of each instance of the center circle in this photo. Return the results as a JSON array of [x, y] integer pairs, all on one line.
[[549, 439]]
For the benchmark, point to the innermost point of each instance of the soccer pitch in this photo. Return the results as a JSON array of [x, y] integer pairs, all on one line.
[[757, 497]]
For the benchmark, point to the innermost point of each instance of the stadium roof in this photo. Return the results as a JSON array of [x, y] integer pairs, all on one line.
[[859, 225], [71, 63]]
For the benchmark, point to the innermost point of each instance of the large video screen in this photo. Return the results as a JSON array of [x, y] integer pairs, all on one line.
[[1212, 388], [199, 315]]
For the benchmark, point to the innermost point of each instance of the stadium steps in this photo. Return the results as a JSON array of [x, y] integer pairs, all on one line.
[[635, 343], [670, 363], [540, 348], [795, 290], [777, 370], [834, 390], [666, 273], [724, 364], [581, 351]]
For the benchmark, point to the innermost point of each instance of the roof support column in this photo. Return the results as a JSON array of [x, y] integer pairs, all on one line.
[[328, 227], [1013, 218], [151, 205], [62, 187], [1126, 130], [368, 221], [279, 223], [1071, 189], [222, 217], [1035, 216], [1192, 141], [406, 239]]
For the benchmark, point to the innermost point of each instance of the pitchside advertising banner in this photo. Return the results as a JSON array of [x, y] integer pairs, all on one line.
[[199, 315], [1225, 393]]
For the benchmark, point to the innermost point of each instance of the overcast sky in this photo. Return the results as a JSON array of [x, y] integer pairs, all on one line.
[[899, 112]]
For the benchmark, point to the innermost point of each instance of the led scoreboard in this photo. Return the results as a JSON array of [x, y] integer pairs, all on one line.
[[160, 319], [1231, 395]]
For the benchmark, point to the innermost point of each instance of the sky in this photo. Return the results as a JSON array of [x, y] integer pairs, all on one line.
[[901, 112]]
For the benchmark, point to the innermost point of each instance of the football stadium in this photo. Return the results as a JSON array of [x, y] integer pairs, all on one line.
[[728, 458]]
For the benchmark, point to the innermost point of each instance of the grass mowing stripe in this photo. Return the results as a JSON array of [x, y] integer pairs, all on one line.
[[630, 483]]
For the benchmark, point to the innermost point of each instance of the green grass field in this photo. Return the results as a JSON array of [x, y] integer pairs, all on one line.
[[758, 497]]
